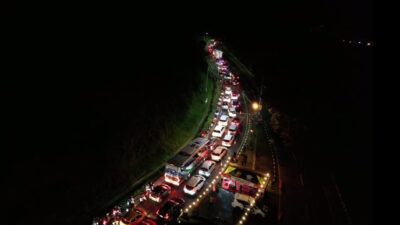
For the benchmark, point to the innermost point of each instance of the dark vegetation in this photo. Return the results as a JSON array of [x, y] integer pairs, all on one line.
[[320, 94], [102, 112]]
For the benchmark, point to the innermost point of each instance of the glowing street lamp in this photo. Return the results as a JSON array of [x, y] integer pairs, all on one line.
[[255, 106]]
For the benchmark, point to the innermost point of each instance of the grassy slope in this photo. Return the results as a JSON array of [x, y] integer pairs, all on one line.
[[176, 131]]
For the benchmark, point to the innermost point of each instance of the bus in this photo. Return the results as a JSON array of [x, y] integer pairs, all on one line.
[[182, 165]]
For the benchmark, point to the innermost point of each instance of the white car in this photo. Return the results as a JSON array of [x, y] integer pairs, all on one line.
[[228, 90], [219, 153], [227, 98], [218, 131], [228, 139], [194, 184], [223, 120], [232, 112], [207, 168], [243, 201], [225, 105]]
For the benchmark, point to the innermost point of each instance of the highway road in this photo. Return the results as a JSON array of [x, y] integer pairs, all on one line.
[[199, 206]]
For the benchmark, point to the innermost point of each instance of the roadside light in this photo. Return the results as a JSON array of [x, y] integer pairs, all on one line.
[[255, 105]]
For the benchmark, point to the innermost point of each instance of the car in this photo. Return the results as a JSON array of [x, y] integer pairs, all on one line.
[[223, 71], [134, 217], [228, 139], [201, 220], [224, 112], [219, 153], [218, 131], [235, 82], [171, 210], [220, 62], [227, 77], [232, 112], [219, 103], [207, 167], [228, 90], [227, 98], [217, 112], [160, 192], [235, 95], [225, 105], [96, 221], [194, 185], [235, 121], [203, 133], [243, 201], [147, 221], [222, 67], [223, 120], [214, 142], [233, 129], [235, 104]]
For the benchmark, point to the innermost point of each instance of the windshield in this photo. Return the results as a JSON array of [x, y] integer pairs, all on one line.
[[158, 189], [171, 169]]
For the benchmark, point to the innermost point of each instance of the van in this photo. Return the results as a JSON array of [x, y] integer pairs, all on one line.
[[243, 201]]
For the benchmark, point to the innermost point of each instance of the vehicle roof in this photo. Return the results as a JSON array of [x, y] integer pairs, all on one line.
[[180, 158], [207, 163], [193, 180], [219, 149], [243, 197], [219, 127], [224, 117], [228, 137], [233, 126]]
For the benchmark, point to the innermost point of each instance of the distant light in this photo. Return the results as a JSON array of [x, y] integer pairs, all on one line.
[[350, 42], [359, 42], [343, 40], [369, 44]]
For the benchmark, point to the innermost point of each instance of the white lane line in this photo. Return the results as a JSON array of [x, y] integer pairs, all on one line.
[[301, 179]]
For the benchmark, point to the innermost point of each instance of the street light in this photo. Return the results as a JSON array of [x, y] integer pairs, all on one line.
[[255, 106]]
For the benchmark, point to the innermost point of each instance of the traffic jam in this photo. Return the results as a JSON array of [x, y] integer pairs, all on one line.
[[200, 168]]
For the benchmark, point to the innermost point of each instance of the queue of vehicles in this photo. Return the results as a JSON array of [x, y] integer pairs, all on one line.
[[192, 165]]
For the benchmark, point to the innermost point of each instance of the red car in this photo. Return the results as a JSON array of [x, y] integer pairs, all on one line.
[[203, 133], [134, 217]]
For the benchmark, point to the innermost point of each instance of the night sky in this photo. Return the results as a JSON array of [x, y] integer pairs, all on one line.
[[75, 72]]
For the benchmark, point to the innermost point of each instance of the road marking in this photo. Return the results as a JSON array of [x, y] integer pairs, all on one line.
[[301, 179]]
